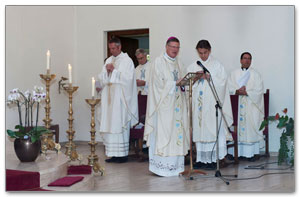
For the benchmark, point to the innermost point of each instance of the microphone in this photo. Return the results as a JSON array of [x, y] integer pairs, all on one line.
[[203, 67]]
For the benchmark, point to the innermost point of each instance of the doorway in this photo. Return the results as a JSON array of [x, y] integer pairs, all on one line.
[[131, 40]]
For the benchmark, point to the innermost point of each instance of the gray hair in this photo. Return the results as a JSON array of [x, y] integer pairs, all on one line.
[[140, 51], [115, 40]]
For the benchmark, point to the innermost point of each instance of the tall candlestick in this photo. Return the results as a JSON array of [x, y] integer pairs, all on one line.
[[70, 73], [93, 157], [47, 142], [48, 61], [93, 87], [70, 146]]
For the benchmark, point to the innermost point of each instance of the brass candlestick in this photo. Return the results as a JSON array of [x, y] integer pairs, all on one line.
[[70, 146], [47, 138], [93, 158]]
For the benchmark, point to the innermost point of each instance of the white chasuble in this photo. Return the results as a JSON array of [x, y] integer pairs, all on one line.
[[251, 110], [119, 108], [142, 73], [204, 112], [166, 127]]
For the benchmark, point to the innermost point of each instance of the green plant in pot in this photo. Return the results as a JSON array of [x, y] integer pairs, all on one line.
[[27, 135], [286, 153]]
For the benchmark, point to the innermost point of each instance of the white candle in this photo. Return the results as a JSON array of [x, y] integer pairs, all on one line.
[[48, 60], [70, 73], [93, 87]]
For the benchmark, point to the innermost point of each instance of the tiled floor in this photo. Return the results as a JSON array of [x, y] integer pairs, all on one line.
[[134, 176]]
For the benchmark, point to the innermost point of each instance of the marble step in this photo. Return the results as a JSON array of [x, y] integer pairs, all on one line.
[[50, 167], [87, 184]]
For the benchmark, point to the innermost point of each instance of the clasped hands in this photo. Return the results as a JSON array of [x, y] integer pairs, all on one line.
[[201, 75], [241, 91], [140, 82], [110, 68]]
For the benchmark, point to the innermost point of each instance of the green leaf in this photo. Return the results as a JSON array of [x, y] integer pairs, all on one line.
[[291, 120], [39, 128], [271, 118], [282, 122], [286, 118], [45, 131], [11, 133], [263, 124], [33, 139], [21, 128], [19, 134], [290, 127]]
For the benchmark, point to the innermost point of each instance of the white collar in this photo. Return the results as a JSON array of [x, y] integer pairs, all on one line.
[[118, 55], [204, 62], [142, 65], [168, 57]]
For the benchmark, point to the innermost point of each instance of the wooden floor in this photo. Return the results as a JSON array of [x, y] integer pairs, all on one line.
[[134, 176]]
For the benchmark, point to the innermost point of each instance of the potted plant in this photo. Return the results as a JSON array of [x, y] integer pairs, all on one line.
[[286, 150], [27, 136]]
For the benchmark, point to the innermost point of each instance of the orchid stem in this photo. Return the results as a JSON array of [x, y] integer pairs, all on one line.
[[37, 114], [31, 114], [20, 115], [26, 113]]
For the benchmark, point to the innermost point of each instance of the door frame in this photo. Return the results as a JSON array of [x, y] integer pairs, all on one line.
[[118, 33]]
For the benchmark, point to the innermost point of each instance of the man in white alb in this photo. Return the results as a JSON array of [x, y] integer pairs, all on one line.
[[204, 111], [248, 83], [166, 127], [119, 109], [142, 71]]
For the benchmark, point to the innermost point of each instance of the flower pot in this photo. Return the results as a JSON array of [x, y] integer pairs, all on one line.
[[27, 151]]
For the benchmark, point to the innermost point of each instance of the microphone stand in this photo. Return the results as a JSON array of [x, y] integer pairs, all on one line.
[[218, 106]]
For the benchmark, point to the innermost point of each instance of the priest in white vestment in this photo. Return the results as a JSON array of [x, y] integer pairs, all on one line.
[[204, 111], [166, 127], [248, 83], [119, 108], [142, 71]]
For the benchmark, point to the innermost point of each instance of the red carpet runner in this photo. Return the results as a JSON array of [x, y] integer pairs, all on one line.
[[82, 169], [66, 181], [17, 180], [70, 180]]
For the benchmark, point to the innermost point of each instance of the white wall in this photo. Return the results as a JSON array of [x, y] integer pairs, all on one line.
[[265, 31], [30, 32]]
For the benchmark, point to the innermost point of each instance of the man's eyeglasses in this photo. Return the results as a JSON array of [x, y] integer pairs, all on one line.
[[173, 47]]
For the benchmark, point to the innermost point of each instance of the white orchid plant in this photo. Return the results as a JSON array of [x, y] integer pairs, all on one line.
[[27, 100]]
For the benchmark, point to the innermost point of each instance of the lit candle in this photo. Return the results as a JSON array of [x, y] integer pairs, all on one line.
[[48, 61], [70, 73], [93, 87]]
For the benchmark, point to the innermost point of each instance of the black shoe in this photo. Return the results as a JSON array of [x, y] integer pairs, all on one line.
[[145, 150], [243, 158], [122, 159], [111, 160], [199, 165], [257, 157], [254, 158], [229, 157], [211, 166]]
